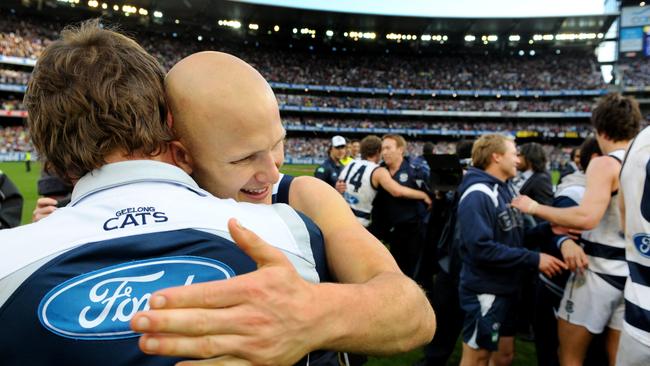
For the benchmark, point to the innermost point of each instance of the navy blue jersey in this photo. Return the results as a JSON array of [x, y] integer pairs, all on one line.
[[389, 211], [70, 283], [281, 189], [329, 171]]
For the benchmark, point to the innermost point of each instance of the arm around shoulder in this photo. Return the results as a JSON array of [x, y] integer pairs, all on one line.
[[385, 312]]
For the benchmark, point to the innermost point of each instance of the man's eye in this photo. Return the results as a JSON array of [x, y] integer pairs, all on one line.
[[244, 160]]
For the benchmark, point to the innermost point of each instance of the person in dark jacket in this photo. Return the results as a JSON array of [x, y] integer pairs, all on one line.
[[11, 203], [536, 180], [331, 168], [491, 234], [400, 221]]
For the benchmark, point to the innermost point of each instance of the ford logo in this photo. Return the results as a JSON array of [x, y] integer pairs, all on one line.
[[100, 304], [350, 199], [642, 244]]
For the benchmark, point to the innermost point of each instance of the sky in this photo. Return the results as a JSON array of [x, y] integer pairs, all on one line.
[[450, 8]]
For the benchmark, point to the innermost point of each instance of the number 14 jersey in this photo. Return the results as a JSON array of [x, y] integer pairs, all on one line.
[[360, 193]]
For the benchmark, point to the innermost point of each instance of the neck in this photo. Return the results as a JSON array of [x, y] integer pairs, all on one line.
[[118, 156], [609, 146], [494, 171], [393, 167], [374, 159]]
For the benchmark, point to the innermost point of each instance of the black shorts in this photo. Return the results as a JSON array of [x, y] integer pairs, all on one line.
[[484, 316]]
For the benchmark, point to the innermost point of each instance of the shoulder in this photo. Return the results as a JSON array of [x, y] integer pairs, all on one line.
[[603, 166]]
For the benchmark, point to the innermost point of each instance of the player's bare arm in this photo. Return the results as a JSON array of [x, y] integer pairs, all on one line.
[[602, 180]]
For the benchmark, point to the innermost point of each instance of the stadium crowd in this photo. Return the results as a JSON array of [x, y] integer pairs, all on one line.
[[505, 201], [581, 128], [14, 139], [554, 105], [567, 70], [14, 77]]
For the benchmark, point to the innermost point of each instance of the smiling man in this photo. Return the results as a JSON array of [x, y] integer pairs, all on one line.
[[230, 136]]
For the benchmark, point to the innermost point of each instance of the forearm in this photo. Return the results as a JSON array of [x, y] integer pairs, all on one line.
[[388, 314], [572, 217]]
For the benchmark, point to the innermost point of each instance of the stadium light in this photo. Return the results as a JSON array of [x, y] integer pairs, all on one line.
[[548, 37], [425, 37], [253, 26], [642, 3], [470, 38], [531, 42], [199, 38], [514, 38], [104, 6], [537, 37], [157, 14], [295, 30], [521, 52], [116, 7], [329, 33], [276, 28], [600, 36], [143, 11], [492, 38], [532, 52], [230, 23], [93, 3], [179, 22]]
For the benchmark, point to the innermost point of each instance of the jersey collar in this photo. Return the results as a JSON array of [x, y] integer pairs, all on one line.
[[129, 172]]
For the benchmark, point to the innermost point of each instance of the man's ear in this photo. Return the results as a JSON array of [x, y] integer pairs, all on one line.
[[181, 156]]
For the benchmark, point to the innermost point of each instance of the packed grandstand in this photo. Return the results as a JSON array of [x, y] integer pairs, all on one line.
[[546, 96]]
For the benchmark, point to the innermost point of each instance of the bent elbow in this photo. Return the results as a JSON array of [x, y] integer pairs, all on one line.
[[589, 222], [397, 193]]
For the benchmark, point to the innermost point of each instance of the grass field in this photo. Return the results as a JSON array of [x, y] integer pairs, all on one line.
[[26, 182]]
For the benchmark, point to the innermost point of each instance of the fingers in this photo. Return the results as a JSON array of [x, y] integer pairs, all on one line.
[[194, 347], [219, 361], [45, 201], [43, 212], [190, 322], [261, 252]]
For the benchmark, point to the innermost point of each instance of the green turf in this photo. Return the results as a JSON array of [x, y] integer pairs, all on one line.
[[26, 182]]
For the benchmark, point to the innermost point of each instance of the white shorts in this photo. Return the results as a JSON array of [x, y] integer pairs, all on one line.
[[591, 302], [631, 352]]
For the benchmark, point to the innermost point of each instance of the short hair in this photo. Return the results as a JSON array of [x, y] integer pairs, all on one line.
[[370, 146], [617, 117], [535, 156], [464, 149], [587, 149], [94, 92], [428, 147], [399, 140], [487, 145]]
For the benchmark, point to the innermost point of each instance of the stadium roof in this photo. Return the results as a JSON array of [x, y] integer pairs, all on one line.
[[209, 11]]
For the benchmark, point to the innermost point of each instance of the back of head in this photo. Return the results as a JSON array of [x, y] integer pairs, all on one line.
[[588, 148], [428, 148], [485, 146], [95, 92], [617, 117], [535, 155], [370, 146], [464, 149]]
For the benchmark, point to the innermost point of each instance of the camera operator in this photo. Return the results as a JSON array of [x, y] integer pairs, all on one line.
[[11, 203], [56, 193]]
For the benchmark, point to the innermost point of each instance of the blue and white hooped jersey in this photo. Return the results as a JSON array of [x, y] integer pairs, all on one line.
[[70, 283], [359, 193], [280, 193], [635, 185], [605, 244]]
